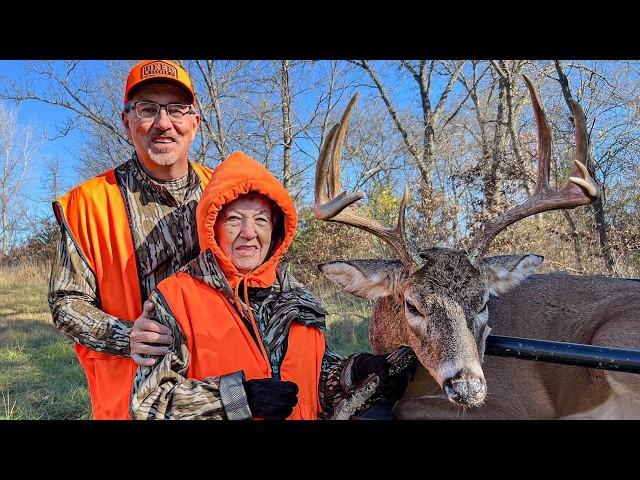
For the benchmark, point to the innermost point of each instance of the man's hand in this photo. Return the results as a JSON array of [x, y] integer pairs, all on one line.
[[146, 332]]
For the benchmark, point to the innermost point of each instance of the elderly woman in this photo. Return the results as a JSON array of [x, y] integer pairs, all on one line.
[[249, 339]]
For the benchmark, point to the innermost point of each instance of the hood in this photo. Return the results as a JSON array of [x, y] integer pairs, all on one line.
[[235, 176]]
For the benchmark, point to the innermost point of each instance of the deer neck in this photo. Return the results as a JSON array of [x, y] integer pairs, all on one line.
[[388, 329]]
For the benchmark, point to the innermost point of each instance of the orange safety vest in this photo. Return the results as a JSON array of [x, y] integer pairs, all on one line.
[[220, 343], [94, 213]]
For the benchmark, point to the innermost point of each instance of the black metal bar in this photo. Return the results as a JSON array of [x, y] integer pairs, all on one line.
[[577, 354]]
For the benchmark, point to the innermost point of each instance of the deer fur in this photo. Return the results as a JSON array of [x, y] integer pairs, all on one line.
[[579, 309]]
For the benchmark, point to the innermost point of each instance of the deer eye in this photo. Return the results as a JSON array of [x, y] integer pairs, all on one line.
[[411, 308]]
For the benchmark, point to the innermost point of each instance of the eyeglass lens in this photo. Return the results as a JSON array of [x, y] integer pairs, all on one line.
[[152, 110]]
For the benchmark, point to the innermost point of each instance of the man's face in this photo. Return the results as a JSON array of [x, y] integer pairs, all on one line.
[[163, 141], [243, 230]]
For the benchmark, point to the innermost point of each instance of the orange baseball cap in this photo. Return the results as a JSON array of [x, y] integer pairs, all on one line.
[[159, 71]]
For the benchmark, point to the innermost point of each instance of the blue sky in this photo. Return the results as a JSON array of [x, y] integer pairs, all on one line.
[[44, 118]]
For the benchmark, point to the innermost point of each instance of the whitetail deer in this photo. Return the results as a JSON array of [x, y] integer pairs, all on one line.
[[441, 302]]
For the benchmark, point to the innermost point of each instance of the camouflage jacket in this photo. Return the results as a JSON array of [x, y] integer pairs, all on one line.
[[163, 229]]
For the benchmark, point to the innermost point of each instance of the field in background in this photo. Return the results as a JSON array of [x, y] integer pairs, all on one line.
[[347, 319], [40, 377]]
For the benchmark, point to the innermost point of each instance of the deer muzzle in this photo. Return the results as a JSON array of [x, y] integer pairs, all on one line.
[[466, 390]]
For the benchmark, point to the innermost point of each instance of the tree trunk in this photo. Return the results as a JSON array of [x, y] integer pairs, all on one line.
[[513, 115], [5, 227], [286, 124], [601, 223], [212, 125], [598, 206], [491, 176], [576, 241], [429, 139]]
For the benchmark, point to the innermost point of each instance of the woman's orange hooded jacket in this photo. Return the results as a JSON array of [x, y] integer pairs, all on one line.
[[218, 339]]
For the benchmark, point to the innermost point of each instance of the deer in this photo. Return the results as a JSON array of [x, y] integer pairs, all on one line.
[[443, 303]]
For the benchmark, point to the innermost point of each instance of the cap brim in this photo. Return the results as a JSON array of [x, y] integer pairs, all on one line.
[[161, 80]]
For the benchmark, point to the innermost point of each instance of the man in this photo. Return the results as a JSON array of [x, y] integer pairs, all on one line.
[[124, 231]]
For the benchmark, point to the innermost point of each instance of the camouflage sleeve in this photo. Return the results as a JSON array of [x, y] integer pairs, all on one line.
[[163, 391], [74, 302], [335, 379]]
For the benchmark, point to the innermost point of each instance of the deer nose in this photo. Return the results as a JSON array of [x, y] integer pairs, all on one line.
[[465, 389]]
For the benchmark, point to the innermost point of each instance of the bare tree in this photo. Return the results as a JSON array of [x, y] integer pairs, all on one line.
[[287, 137], [598, 207], [455, 131], [53, 182], [212, 128], [93, 100], [17, 149], [40, 231], [422, 72], [226, 93], [288, 102]]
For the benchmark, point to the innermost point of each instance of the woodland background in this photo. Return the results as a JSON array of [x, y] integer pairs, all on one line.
[[460, 134]]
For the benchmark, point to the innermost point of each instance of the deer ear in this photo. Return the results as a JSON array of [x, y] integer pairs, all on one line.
[[508, 271], [371, 279]]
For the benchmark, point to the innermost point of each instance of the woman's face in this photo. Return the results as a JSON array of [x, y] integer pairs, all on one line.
[[243, 230]]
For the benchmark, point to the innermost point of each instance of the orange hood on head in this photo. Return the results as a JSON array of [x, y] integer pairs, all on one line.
[[237, 175]]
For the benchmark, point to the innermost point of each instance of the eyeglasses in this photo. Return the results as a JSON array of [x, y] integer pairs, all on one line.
[[150, 110]]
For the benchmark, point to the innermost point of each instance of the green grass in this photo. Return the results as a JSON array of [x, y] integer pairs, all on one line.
[[40, 377], [347, 322]]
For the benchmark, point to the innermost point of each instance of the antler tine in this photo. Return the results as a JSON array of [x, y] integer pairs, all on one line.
[[579, 173], [580, 189], [327, 207], [336, 151], [320, 184], [339, 208], [544, 139], [403, 207]]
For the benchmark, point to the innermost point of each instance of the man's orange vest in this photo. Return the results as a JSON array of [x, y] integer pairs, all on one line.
[[94, 213], [220, 343]]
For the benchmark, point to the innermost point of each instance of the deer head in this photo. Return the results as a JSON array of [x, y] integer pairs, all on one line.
[[435, 300]]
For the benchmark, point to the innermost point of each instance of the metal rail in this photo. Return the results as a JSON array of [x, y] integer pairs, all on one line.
[[565, 353], [576, 354]]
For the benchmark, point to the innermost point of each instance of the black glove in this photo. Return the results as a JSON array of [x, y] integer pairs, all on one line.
[[271, 399], [391, 387]]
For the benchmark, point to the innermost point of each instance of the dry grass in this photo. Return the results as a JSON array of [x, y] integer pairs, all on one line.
[[40, 377]]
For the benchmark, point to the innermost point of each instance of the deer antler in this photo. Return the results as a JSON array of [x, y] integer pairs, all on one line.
[[338, 208], [579, 190]]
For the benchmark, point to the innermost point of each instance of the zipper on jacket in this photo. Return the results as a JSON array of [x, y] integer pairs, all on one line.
[[247, 323], [276, 369]]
